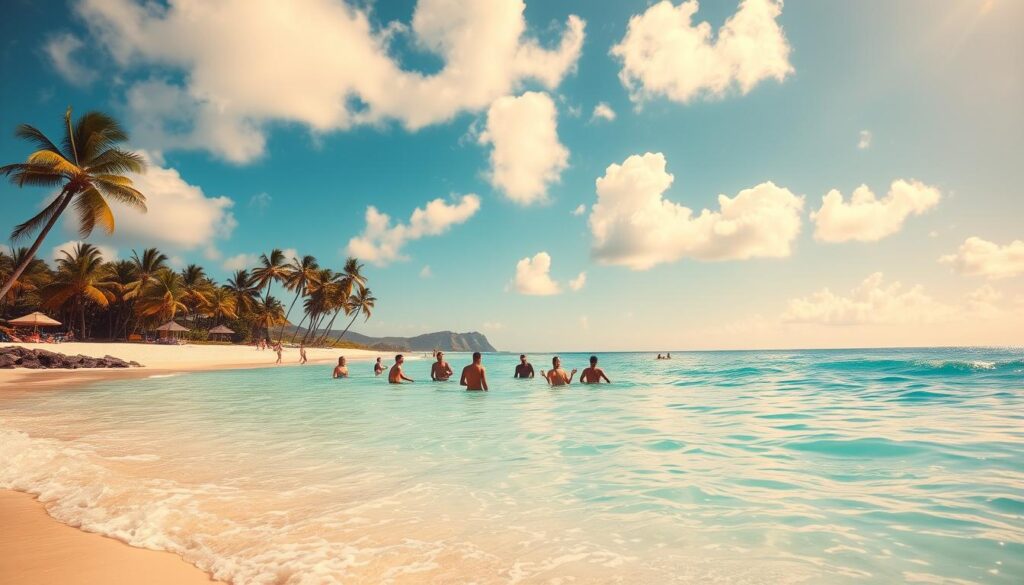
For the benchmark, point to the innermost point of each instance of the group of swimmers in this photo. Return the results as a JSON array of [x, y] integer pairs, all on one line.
[[474, 376]]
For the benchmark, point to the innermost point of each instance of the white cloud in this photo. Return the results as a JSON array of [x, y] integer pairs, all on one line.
[[493, 326], [527, 156], [381, 243], [240, 262], [533, 276], [578, 282], [179, 216], [602, 111], [61, 50], [425, 272], [260, 202], [108, 253], [665, 54], [978, 257], [580, 210], [290, 254], [319, 63], [873, 301], [865, 218], [635, 226], [864, 140]]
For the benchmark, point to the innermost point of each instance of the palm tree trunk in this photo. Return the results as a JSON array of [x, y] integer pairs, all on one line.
[[280, 331], [35, 246], [296, 332], [327, 329], [356, 314]]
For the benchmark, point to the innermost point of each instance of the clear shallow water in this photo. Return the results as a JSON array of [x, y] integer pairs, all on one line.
[[875, 466]]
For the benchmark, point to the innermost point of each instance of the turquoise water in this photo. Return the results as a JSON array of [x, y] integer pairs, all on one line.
[[874, 466]]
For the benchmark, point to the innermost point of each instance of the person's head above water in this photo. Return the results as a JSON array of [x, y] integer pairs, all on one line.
[[522, 358], [440, 356], [341, 361], [476, 357], [556, 361], [399, 359], [593, 360]]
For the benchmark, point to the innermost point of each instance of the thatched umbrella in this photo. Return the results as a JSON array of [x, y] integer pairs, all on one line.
[[34, 320], [221, 330], [171, 328]]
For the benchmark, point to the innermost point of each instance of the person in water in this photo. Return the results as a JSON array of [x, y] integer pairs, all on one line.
[[524, 369], [302, 353], [593, 374], [341, 370], [378, 368], [396, 376], [474, 376], [556, 376], [440, 371], [660, 357]]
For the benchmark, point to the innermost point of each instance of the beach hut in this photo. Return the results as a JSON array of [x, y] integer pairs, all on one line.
[[171, 329], [35, 321], [221, 332]]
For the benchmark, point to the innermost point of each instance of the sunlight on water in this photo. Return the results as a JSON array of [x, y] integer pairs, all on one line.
[[873, 466]]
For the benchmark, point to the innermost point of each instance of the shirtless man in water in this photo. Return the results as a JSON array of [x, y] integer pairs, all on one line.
[[524, 369], [593, 374], [474, 376], [440, 371], [556, 376], [378, 368], [341, 370], [395, 376]]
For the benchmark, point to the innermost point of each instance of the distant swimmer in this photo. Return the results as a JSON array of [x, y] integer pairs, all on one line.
[[440, 371], [378, 368], [668, 356], [341, 370], [660, 357], [474, 376], [395, 376], [524, 369], [556, 376], [593, 374]]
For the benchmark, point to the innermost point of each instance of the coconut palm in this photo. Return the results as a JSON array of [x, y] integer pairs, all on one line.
[[244, 291], [162, 297], [89, 169], [269, 314], [361, 303], [35, 274], [299, 276], [220, 304], [81, 279], [272, 268], [122, 275], [147, 266], [197, 288]]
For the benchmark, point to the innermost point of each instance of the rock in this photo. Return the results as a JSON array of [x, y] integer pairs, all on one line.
[[113, 362], [135, 364], [30, 364], [7, 361]]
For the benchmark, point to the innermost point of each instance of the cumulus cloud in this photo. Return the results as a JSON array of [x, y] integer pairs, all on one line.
[[665, 54], [527, 156], [240, 262], [864, 141], [873, 301], [865, 218], [319, 63], [602, 111], [108, 253], [533, 276], [580, 210], [578, 282], [381, 243], [179, 216], [260, 202], [978, 257], [61, 50], [634, 225]]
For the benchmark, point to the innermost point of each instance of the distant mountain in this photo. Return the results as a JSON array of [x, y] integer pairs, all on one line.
[[443, 340]]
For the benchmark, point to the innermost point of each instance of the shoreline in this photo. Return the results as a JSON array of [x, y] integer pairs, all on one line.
[[38, 549]]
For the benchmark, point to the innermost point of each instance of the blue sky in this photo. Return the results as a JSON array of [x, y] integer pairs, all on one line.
[[277, 132]]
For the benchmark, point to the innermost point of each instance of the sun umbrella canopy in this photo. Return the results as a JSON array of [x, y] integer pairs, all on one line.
[[221, 329], [171, 326], [35, 319]]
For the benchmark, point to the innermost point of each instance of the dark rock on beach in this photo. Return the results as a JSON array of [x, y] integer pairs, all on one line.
[[42, 359]]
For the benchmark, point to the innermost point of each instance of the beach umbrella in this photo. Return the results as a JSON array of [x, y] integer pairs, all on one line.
[[34, 320], [171, 327], [221, 330]]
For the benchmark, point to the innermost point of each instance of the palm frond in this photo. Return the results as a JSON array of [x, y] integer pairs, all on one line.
[[117, 161], [37, 221], [93, 133], [93, 209], [36, 137], [54, 161]]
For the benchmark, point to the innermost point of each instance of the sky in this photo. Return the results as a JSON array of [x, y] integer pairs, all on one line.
[[568, 175]]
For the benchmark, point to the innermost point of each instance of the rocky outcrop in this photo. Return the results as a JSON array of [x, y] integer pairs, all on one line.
[[41, 359]]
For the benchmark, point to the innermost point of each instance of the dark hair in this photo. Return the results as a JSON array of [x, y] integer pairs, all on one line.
[[522, 356], [476, 355], [554, 358], [593, 359], [398, 357]]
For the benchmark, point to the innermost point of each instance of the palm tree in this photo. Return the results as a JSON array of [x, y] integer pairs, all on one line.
[[319, 302], [32, 277], [162, 297], [146, 267], [272, 268], [269, 314], [362, 302], [81, 278], [220, 304], [89, 169], [299, 276], [197, 288], [122, 275]]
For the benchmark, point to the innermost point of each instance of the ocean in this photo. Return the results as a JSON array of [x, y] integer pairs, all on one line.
[[844, 466]]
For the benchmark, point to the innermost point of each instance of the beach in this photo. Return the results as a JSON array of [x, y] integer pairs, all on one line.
[[36, 549]]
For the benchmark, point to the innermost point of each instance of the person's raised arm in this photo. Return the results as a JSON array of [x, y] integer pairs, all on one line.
[[545, 376], [571, 374]]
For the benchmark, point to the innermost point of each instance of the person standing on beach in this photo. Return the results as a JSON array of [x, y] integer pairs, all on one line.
[[524, 369], [593, 374], [341, 370], [278, 349], [556, 376], [440, 370], [396, 376], [302, 353], [378, 368], [474, 376]]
